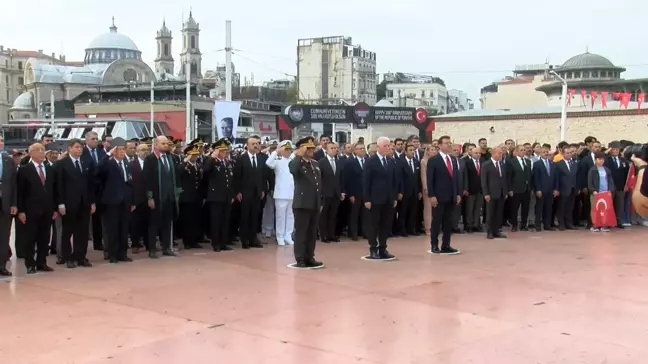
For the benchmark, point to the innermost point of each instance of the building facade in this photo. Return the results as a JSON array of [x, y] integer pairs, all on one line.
[[215, 80], [332, 70], [164, 63], [458, 101], [191, 49], [418, 91]]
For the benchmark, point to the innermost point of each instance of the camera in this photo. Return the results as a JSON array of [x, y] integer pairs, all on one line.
[[636, 150]]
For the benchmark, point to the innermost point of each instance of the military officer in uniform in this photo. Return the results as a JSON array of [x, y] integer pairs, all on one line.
[[219, 174], [190, 176], [307, 202]]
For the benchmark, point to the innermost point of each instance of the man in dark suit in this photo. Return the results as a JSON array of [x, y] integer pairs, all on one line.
[[91, 155], [8, 205], [353, 181], [159, 177], [218, 170], [585, 164], [409, 175], [320, 152], [117, 198], [493, 180], [567, 174], [475, 199], [518, 173], [444, 192], [140, 216], [76, 188], [250, 182], [463, 189], [619, 168], [36, 208], [190, 180], [380, 188], [306, 202], [332, 193], [545, 185]]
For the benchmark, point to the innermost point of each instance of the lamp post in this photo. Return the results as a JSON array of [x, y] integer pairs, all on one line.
[[563, 110]]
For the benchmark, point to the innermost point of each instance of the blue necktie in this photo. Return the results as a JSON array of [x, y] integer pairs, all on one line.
[[547, 166], [94, 155]]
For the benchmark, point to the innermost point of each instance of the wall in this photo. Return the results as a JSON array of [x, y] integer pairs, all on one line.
[[517, 93], [547, 129]]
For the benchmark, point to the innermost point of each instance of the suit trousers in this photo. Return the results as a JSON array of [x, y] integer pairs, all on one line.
[[532, 203], [5, 236], [57, 233], [357, 219], [619, 205], [97, 228], [268, 221], [520, 202], [305, 234], [139, 225], [19, 240], [285, 220], [408, 215], [565, 209], [495, 214], [543, 210], [379, 224], [474, 205], [249, 219], [219, 213], [116, 218], [457, 212], [442, 221], [189, 219], [76, 223], [328, 217], [160, 224], [38, 237]]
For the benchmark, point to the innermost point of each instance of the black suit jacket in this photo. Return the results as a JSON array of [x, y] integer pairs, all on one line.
[[567, 178], [75, 189], [117, 190], [380, 184], [248, 180], [518, 179], [493, 184], [473, 180], [332, 183], [353, 177], [219, 179], [34, 198], [619, 173], [440, 183], [410, 179], [584, 165], [9, 179], [543, 181], [139, 187]]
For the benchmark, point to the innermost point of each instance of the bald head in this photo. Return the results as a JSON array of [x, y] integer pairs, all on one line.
[[496, 153], [162, 144], [476, 152]]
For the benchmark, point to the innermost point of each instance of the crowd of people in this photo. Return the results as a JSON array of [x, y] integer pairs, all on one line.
[[147, 194]]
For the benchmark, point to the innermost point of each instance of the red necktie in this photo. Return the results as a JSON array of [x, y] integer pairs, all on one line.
[[477, 167], [449, 165], [41, 174]]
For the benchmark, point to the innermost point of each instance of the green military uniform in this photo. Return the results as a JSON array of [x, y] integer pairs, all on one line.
[[306, 206], [219, 195]]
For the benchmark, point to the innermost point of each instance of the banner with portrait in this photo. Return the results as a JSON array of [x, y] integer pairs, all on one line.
[[225, 118]]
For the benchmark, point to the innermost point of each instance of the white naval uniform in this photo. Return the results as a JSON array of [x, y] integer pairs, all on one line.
[[283, 196]]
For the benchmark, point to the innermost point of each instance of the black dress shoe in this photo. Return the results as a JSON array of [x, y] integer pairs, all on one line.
[[524, 228], [538, 230], [314, 263], [70, 264], [436, 250], [490, 236], [84, 263], [325, 240], [113, 260], [500, 236], [384, 254], [5, 273], [31, 270], [44, 268], [169, 253], [336, 240], [125, 259], [550, 228], [60, 261], [514, 229], [152, 255], [256, 245], [448, 250], [374, 255], [301, 264], [226, 248]]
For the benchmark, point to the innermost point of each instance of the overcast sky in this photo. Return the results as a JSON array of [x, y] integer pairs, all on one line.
[[467, 43]]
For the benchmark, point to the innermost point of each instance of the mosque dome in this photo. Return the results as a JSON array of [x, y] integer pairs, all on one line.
[[25, 101], [111, 46], [587, 60]]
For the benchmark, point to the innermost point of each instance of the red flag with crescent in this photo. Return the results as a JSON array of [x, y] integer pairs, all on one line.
[[640, 99], [593, 95], [603, 210], [625, 99], [570, 93], [604, 95], [583, 93]]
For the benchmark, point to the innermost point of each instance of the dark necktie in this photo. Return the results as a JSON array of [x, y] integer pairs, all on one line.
[[77, 165], [121, 167], [41, 174], [384, 162], [411, 162], [254, 161]]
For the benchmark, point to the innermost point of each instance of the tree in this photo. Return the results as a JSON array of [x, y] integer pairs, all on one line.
[[291, 93], [381, 90]]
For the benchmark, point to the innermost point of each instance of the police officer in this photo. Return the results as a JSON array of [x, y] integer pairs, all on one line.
[[190, 175], [219, 193], [307, 202]]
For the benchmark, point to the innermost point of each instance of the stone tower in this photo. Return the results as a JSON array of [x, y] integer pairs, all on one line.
[[164, 60], [191, 48]]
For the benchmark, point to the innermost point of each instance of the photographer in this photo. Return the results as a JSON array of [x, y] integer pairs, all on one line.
[[640, 195]]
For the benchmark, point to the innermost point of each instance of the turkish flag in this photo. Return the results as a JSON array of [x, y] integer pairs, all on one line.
[[569, 95], [604, 95], [640, 99], [625, 99], [631, 181], [603, 210], [593, 95], [616, 96], [583, 93]]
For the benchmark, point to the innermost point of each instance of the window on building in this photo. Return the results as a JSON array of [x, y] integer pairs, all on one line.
[[423, 93], [7, 95], [166, 50], [19, 65], [7, 63], [21, 81], [577, 75], [354, 84], [193, 42], [569, 75]]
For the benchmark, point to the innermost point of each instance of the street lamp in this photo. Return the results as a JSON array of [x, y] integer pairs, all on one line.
[[563, 111]]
